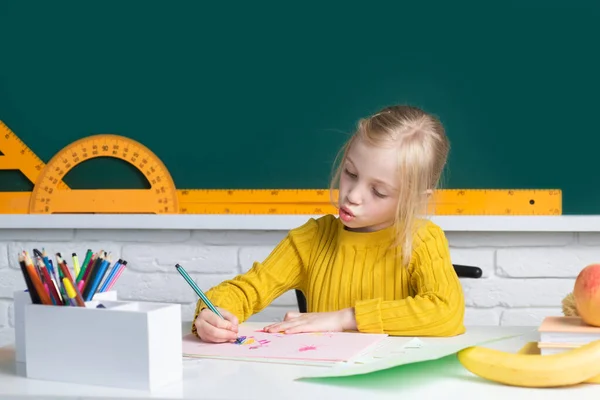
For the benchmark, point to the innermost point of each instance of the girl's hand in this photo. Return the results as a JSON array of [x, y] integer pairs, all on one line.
[[211, 328], [294, 322]]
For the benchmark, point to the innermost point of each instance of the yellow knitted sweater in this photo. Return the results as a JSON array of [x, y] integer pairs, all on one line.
[[336, 268]]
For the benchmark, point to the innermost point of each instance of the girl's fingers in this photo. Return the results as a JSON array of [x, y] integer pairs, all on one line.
[[215, 334], [214, 320], [229, 316], [300, 329], [285, 326], [291, 315]]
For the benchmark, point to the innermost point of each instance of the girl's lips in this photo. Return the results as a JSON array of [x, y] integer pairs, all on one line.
[[346, 215]]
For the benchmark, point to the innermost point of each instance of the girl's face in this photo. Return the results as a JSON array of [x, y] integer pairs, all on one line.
[[369, 187]]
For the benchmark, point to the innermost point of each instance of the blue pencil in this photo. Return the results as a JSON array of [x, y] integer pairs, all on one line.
[[110, 275], [199, 292], [99, 274]]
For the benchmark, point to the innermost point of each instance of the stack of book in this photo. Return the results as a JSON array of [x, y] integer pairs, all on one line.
[[561, 333]]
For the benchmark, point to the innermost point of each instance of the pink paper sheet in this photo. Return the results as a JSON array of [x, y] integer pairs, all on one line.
[[321, 346]]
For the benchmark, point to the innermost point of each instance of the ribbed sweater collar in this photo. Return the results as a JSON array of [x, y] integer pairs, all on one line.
[[381, 237]]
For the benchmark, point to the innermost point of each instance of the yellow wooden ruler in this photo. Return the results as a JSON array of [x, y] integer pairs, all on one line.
[[51, 195], [317, 201]]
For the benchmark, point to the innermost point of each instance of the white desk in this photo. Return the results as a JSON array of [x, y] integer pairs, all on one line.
[[222, 379]]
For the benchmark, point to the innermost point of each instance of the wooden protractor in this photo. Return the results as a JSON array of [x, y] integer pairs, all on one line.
[[161, 198]]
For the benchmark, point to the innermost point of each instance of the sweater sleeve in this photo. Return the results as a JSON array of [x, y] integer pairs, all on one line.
[[437, 306], [282, 270]]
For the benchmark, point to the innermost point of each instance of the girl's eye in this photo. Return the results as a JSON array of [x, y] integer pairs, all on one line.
[[350, 174], [380, 195]]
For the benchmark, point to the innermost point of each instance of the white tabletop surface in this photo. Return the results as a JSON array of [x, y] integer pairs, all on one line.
[[224, 379]]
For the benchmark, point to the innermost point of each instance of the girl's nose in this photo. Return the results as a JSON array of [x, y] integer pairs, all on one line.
[[353, 197]]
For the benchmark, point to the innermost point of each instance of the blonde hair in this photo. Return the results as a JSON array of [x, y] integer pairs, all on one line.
[[422, 154]]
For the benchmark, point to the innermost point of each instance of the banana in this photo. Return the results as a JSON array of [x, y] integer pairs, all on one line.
[[533, 370], [532, 348]]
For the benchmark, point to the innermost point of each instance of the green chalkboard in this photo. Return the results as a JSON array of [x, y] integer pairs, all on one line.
[[262, 94]]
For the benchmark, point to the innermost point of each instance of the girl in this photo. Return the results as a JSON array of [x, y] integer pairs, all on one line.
[[379, 267]]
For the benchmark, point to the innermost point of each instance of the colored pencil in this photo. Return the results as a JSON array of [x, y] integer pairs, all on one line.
[[35, 297], [110, 275], [117, 275], [48, 284], [55, 281], [199, 292], [86, 260], [75, 264], [67, 275], [37, 282], [91, 263], [97, 278], [90, 273]]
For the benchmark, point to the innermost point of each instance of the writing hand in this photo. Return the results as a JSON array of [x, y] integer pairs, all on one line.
[[211, 328]]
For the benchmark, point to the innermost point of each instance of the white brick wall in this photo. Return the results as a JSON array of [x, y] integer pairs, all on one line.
[[525, 275]]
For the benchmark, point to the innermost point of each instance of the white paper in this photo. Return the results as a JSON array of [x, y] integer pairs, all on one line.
[[412, 351]]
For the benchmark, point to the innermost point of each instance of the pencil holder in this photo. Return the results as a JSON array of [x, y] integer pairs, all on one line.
[[132, 345], [21, 299]]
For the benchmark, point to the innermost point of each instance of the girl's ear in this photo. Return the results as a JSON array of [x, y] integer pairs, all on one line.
[[428, 192]]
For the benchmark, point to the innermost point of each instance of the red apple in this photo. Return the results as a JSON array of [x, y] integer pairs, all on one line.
[[587, 294]]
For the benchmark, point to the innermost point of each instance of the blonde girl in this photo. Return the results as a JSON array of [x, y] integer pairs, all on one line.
[[379, 266]]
